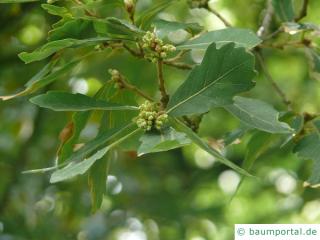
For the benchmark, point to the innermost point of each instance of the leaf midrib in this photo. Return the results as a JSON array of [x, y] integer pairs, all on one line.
[[208, 86], [261, 119]]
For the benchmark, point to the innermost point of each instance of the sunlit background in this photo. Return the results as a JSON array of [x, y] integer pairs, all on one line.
[[175, 195]]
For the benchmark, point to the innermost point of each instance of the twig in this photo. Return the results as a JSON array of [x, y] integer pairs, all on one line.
[[264, 28], [296, 44], [138, 91], [133, 52], [169, 62], [303, 11], [88, 12], [178, 56], [123, 84], [273, 34], [222, 19], [180, 65], [164, 95], [284, 98]]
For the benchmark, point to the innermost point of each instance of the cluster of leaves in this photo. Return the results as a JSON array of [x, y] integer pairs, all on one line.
[[227, 70]]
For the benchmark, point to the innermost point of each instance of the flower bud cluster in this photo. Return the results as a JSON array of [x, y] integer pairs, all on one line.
[[129, 5], [150, 117], [116, 77], [155, 47], [198, 3]]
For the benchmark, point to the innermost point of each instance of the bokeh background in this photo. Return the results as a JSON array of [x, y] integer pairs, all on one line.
[[175, 195]]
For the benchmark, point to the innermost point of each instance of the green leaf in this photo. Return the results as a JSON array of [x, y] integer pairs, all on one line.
[[115, 26], [114, 119], [240, 37], [75, 126], [17, 1], [79, 120], [258, 144], [72, 29], [74, 169], [164, 27], [284, 9], [55, 10], [314, 59], [46, 76], [63, 101], [97, 182], [309, 148], [99, 141], [179, 126], [78, 168], [258, 114], [294, 27], [235, 135], [165, 140], [145, 18], [55, 46], [222, 74]]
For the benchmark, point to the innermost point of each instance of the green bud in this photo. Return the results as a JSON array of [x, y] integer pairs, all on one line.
[[163, 55]]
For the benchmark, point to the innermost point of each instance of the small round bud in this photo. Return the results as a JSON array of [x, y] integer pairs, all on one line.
[[163, 55]]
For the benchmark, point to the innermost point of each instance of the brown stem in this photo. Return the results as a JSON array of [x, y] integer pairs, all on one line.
[[137, 91], [164, 96], [88, 12], [123, 83], [180, 65], [215, 12], [303, 11], [178, 56], [169, 62], [133, 52], [264, 28], [278, 90]]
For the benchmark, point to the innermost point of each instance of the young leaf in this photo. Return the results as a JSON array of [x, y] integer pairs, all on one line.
[[145, 18], [72, 29], [258, 144], [46, 76], [55, 46], [236, 134], [63, 101], [78, 168], [222, 74], [78, 122], [115, 26], [74, 169], [284, 9], [99, 141], [258, 114], [164, 27], [314, 59], [179, 126], [240, 37], [55, 10], [309, 148], [165, 140], [97, 182]]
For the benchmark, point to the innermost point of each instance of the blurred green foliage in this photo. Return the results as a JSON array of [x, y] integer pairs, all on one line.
[[180, 194]]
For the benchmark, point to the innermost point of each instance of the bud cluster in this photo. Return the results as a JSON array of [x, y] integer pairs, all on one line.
[[116, 77], [150, 117], [198, 3], [157, 49], [129, 5]]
